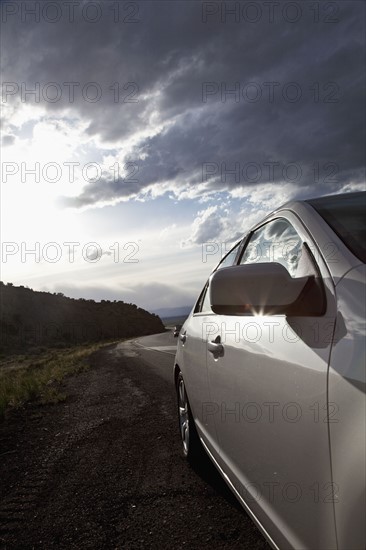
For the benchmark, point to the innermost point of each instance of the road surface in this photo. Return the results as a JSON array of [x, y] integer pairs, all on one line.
[[104, 469]]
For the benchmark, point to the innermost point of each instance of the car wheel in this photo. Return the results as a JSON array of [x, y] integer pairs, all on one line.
[[192, 448]]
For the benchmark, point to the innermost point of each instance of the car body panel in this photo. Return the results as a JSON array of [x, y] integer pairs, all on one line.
[[347, 391]]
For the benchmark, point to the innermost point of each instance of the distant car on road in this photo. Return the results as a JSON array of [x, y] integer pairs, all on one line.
[[270, 373], [176, 330]]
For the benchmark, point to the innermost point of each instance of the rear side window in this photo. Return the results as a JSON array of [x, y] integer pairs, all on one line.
[[346, 215]]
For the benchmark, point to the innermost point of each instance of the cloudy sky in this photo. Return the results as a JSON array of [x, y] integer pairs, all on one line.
[[140, 139]]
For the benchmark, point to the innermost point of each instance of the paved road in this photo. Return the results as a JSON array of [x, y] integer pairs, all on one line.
[[158, 352], [104, 469]]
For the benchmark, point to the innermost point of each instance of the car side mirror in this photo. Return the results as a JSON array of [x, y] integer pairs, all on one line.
[[264, 289]]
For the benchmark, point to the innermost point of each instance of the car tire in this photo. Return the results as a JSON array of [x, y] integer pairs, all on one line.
[[192, 447]]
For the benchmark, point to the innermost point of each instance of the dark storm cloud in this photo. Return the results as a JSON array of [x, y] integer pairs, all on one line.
[[309, 112]]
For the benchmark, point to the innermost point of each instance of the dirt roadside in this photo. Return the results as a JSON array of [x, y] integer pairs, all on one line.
[[104, 469]]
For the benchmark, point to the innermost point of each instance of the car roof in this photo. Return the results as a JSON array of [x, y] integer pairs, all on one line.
[[319, 199]]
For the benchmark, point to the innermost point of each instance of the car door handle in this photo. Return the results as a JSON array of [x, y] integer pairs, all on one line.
[[183, 337], [215, 347]]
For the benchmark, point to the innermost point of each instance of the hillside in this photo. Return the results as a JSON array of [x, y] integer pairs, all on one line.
[[170, 312], [30, 318]]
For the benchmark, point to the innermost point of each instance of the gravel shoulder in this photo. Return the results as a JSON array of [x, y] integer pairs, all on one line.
[[104, 469]]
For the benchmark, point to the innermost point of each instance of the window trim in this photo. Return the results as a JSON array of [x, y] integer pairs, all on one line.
[[199, 302], [238, 244]]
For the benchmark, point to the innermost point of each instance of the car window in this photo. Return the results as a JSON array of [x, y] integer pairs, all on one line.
[[199, 302], [346, 216], [229, 259], [206, 304], [203, 303], [276, 241]]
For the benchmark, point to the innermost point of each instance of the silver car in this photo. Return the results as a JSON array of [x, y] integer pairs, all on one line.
[[270, 373]]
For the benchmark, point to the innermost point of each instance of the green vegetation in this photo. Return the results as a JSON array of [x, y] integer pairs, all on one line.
[[37, 377]]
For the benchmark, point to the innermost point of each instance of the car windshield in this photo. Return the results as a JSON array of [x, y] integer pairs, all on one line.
[[346, 216]]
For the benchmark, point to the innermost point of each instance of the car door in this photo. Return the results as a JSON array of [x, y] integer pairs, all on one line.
[[269, 400], [192, 360]]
